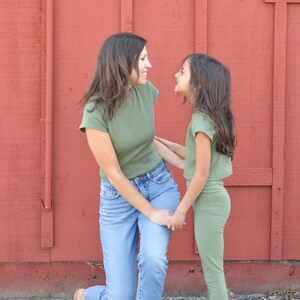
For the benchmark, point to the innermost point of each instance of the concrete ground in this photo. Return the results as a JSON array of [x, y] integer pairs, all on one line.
[[241, 297], [275, 295], [285, 295]]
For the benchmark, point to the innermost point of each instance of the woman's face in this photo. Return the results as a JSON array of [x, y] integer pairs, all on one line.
[[183, 78], [144, 66]]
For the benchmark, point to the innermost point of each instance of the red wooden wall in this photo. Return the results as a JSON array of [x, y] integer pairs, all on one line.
[[49, 181]]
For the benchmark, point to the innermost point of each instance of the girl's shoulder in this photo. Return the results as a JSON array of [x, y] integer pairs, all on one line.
[[201, 116], [201, 122]]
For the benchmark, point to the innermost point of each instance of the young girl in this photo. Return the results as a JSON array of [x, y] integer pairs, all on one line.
[[210, 142], [138, 193]]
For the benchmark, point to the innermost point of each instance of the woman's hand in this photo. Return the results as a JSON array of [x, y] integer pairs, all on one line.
[[178, 220], [161, 217]]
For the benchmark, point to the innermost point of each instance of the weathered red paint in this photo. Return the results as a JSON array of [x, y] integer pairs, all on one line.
[[201, 26], [126, 16], [45, 68]]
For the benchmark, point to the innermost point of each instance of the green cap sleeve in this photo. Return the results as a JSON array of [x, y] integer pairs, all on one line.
[[202, 123], [93, 118]]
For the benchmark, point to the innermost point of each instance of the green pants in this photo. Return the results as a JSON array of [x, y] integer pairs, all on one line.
[[211, 211]]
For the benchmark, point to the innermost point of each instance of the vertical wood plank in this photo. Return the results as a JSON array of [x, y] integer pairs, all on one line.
[[201, 26], [47, 85], [280, 28], [126, 24], [43, 95], [49, 100]]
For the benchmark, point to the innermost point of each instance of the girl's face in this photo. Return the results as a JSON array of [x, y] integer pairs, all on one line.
[[144, 66], [183, 78]]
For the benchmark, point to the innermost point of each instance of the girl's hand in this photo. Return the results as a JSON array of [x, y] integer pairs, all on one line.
[[161, 217], [178, 220], [165, 142], [174, 147]]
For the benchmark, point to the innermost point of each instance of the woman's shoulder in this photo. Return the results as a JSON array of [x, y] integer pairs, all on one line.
[[93, 105]]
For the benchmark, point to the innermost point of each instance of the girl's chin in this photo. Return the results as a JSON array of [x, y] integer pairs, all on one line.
[[178, 91]]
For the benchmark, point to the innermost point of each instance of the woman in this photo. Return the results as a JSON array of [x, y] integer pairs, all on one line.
[[138, 192]]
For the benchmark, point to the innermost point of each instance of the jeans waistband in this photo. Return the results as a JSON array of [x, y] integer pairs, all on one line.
[[144, 177], [154, 172]]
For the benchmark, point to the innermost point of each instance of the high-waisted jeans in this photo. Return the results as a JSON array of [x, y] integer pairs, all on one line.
[[120, 223]]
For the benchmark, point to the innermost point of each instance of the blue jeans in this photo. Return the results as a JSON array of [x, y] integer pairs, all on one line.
[[120, 223]]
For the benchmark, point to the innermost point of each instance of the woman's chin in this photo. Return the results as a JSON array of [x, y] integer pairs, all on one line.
[[142, 82]]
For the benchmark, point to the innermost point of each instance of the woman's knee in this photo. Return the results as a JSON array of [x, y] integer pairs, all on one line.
[[153, 261]]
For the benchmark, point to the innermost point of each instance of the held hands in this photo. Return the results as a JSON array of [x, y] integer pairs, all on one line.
[[178, 220], [161, 217], [167, 218]]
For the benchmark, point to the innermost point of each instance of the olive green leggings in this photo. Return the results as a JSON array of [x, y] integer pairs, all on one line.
[[211, 211]]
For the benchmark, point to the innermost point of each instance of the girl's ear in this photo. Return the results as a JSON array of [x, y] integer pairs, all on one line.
[[193, 94], [197, 89]]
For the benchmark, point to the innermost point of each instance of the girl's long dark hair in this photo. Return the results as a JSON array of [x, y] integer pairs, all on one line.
[[118, 56], [211, 90]]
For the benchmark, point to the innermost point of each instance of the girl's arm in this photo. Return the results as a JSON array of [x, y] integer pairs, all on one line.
[[168, 155], [203, 155], [104, 153], [174, 147]]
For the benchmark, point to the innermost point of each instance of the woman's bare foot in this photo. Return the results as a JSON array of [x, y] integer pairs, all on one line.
[[79, 294]]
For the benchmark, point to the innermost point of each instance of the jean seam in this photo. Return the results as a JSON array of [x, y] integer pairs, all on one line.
[[141, 279]]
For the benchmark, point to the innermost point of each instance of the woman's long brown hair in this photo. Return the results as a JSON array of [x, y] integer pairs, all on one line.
[[118, 56]]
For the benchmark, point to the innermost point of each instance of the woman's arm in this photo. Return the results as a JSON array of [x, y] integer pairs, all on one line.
[[104, 153], [174, 147], [168, 155], [203, 156]]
